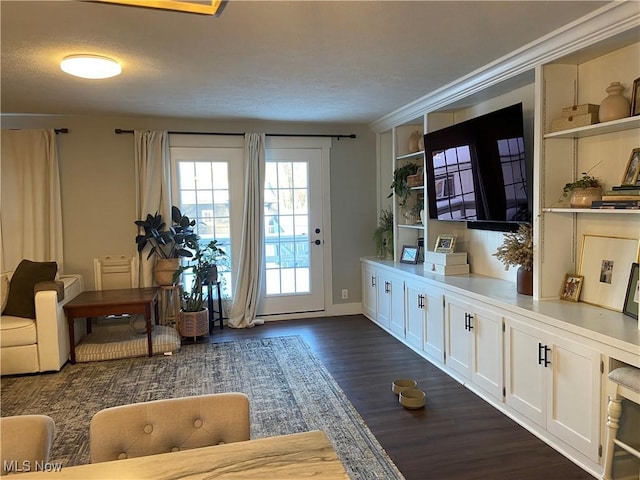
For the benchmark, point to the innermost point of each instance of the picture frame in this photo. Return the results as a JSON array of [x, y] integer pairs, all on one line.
[[605, 264], [571, 287], [410, 254], [632, 297], [632, 170], [445, 243], [635, 98]]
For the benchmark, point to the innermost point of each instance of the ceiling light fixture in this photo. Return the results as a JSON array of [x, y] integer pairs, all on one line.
[[90, 66]]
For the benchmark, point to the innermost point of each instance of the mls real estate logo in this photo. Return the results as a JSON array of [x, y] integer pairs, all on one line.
[[21, 466]]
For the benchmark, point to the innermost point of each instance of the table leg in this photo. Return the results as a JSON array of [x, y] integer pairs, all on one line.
[[72, 340], [149, 342]]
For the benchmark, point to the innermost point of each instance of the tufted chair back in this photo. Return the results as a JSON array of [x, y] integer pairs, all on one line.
[[26, 439], [170, 425]]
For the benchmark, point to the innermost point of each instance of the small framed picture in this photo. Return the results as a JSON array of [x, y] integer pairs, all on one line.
[[445, 243], [571, 287], [635, 98], [633, 293], [410, 254], [630, 176]]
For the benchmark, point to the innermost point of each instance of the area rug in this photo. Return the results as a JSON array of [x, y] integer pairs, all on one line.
[[289, 389]]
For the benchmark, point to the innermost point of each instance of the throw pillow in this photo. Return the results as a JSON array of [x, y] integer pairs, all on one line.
[[21, 295]]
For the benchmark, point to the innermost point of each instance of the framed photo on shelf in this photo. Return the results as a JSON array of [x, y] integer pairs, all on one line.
[[571, 287], [410, 254], [633, 293], [630, 176], [635, 98], [605, 264], [445, 243]]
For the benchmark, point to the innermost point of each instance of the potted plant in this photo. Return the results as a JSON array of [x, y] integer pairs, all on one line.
[[193, 318], [517, 250], [583, 191], [399, 186], [383, 235], [168, 245]]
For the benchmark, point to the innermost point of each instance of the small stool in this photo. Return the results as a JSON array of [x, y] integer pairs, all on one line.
[[624, 382], [215, 314], [170, 304]]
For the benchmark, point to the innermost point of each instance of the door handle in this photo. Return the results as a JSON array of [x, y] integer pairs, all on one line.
[[317, 242]]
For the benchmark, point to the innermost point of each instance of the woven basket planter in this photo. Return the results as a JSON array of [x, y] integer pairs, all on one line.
[[193, 324]]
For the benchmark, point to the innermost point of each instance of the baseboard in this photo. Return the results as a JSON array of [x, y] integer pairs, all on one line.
[[344, 309]]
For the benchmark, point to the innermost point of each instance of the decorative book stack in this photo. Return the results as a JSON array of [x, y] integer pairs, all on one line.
[[620, 197], [446, 263]]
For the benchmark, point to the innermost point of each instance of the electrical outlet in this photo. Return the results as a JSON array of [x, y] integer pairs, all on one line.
[[345, 294]]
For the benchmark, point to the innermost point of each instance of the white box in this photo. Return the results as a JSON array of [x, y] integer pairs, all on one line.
[[458, 258], [446, 269]]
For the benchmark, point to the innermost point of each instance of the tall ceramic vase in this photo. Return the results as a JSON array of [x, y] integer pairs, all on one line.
[[615, 105], [524, 281]]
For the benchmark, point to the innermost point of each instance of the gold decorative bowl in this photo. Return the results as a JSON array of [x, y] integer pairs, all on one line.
[[401, 384], [412, 398]]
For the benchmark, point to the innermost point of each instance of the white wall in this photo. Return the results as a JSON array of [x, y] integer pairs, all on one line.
[[98, 189]]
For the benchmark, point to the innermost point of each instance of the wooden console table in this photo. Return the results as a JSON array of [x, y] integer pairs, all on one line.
[[111, 302], [300, 455]]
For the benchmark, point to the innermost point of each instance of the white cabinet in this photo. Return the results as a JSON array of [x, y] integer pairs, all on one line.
[[555, 383], [369, 291], [415, 312], [390, 290], [474, 343], [434, 324]]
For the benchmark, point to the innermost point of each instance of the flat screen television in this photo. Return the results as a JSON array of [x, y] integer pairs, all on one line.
[[477, 171]]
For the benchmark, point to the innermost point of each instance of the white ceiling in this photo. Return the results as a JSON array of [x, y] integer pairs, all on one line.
[[301, 61]]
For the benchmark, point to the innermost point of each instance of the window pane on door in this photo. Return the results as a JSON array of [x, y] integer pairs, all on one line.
[[286, 228]]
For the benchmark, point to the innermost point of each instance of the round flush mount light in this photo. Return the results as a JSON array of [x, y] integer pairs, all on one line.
[[90, 66]]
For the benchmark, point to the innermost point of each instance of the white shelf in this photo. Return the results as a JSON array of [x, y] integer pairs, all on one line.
[[628, 123], [410, 156], [597, 211], [417, 226]]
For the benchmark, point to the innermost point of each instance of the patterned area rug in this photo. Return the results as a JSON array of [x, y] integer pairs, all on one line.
[[290, 391]]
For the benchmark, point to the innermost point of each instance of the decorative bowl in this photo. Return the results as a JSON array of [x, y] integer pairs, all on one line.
[[401, 384], [412, 398]]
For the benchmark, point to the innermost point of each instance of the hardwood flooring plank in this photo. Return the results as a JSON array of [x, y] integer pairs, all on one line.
[[457, 436]]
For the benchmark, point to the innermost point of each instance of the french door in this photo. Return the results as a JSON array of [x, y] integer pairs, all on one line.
[[208, 185], [294, 232]]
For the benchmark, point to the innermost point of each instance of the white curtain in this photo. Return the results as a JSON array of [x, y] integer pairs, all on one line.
[[153, 187], [248, 278], [31, 207]]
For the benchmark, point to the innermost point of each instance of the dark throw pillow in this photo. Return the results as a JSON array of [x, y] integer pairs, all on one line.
[[21, 301]]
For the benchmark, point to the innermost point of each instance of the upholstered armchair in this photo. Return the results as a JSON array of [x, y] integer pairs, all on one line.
[[40, 344]]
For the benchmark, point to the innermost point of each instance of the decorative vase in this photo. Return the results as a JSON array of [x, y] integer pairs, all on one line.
[[414, 138], [165, 269], [524, 283], [615, 105], [582, 197]]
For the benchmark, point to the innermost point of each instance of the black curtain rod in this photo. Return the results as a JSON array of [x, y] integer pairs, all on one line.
[[61, 130], [352, 135]]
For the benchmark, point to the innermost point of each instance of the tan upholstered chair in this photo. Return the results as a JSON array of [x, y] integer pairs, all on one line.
[[25, 440], [170, 425]]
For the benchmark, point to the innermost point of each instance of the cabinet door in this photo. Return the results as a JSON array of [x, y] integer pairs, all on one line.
[[458, 336], [415, 310], [573, 395], [383, 288], [397, 314], [487, 362], [434, 324], [369, 291], [524, 376]]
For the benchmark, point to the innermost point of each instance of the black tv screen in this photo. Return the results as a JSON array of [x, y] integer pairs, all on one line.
[[477, 171]]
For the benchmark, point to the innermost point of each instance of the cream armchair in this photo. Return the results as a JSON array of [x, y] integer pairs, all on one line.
[[40, 345]]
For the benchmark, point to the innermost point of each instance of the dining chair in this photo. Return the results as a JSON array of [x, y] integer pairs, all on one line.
[[25, 440], [168, 425]]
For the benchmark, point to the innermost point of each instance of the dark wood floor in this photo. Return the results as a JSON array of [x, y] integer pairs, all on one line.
[[457, 436]]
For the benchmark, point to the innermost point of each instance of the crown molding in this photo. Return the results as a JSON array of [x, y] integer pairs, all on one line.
[[588, 30]]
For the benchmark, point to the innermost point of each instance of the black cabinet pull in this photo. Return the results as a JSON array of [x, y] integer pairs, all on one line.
[[470, 321], [420, 301], [540, 350], [387, 287], [373, 280], [547, 362]]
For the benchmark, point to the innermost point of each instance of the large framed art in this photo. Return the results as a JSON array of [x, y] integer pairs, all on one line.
[[605, 264]]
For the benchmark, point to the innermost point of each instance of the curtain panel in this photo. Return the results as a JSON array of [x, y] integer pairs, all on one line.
[[31, 206]]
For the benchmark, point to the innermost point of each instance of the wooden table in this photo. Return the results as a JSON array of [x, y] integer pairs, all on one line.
[[300, 455], [111, 302]]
